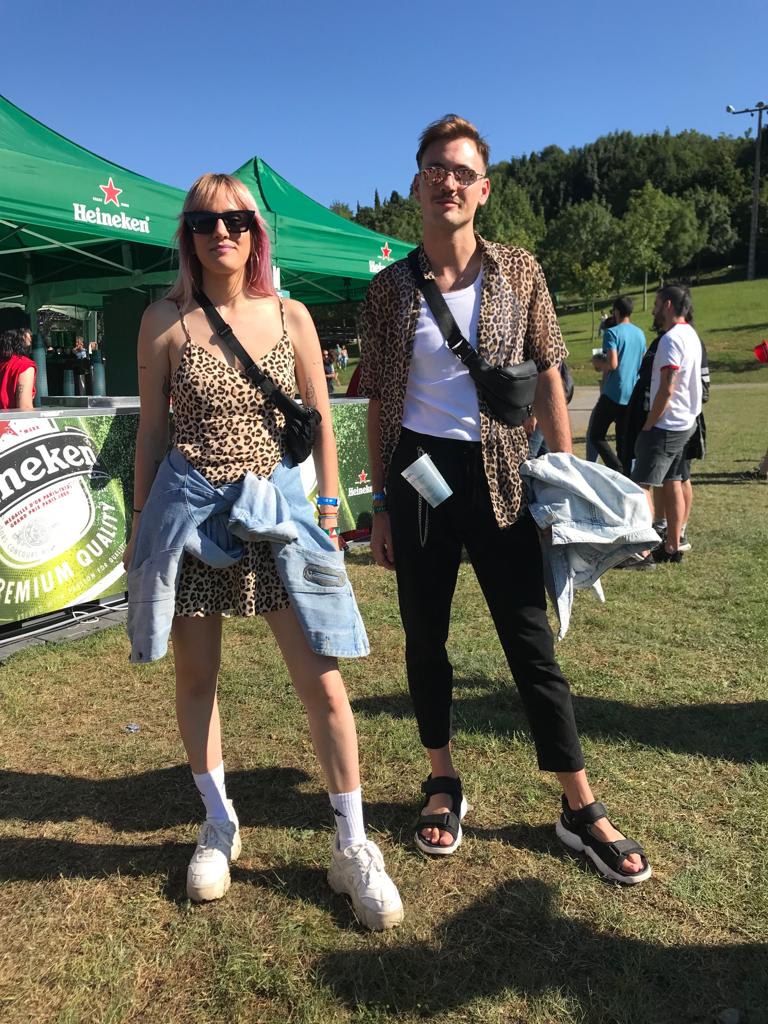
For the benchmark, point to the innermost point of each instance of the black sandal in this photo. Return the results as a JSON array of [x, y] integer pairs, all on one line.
[[448, 822], [573, 829]]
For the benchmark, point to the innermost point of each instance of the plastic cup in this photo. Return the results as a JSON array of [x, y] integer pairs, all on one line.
[[597, 351], [424, 475], [761, 351]]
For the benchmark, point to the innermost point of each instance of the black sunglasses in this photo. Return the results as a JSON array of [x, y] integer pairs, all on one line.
[[203, 222]]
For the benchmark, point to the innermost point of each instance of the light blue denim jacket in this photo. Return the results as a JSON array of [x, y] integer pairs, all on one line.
[[598, 518], [185, 513]]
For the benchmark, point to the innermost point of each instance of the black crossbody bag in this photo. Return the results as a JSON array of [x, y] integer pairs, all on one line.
[[508, 391], [301, 423]]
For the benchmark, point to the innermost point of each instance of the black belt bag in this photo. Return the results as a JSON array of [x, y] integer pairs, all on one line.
[[508, 391], [301, 423]]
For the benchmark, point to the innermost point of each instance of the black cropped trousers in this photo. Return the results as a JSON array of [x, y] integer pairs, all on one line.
[[507, 562]]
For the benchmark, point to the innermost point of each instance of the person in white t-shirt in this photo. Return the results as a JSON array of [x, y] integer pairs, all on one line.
[[675, 397]]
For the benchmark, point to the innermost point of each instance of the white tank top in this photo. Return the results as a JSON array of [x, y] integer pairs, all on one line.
[[441, 398]]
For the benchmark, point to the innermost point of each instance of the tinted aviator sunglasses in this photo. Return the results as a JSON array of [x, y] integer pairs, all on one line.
[[203, 222], [463, 176]]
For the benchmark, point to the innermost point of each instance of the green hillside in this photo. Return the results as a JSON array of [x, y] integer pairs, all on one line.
[[731, 317]]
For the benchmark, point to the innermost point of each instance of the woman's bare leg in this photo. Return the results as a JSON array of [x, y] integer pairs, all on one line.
[[197, 653], [320, 688]]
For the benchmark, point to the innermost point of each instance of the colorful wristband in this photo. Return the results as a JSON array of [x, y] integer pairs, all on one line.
[[326, 501], [331, 532], [379, 497]]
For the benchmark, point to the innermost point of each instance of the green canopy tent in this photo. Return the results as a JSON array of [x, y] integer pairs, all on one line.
[[322, 257], [73, 225]]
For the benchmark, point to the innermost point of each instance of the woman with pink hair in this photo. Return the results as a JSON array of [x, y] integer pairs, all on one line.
[[225, 428]]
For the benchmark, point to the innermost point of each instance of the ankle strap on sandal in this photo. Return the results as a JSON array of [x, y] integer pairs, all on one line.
[[442, 784], [585, 815]]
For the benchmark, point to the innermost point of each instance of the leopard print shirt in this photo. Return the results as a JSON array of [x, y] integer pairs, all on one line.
[[517, 321], [223, 427]]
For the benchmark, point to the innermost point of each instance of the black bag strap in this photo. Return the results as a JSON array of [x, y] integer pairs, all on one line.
[[449, 329], [253, 371]]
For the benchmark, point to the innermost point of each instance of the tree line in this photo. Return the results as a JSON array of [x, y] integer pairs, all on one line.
[[615, 211]]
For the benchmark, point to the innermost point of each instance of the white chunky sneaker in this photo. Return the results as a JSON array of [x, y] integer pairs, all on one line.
[[359, 872], [218, 846]]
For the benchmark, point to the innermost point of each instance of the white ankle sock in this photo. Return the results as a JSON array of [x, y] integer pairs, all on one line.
[[348, 812], [214, 793]]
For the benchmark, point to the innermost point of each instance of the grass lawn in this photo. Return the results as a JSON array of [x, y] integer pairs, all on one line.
[[731, 317], [671, 695]]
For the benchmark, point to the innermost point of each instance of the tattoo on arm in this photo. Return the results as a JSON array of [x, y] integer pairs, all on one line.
[[310, 394]]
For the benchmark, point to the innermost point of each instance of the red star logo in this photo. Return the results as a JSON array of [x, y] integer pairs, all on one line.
[[111, 192], [363, 478], [386, 251], [7, 428]]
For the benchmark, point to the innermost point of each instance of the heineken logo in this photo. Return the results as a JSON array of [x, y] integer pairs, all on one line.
[[361, 486], [374, 266], [99, 214], [40, 461], [111, 192]]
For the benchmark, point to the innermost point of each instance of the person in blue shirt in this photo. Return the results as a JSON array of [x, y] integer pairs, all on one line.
[[619, 362]]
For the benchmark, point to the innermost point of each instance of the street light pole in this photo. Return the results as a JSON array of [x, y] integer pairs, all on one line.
[[751, 257]]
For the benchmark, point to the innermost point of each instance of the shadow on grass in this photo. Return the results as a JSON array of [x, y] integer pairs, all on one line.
[[34, 860], [744, 476], [166, 798], [515, 939], [749, 364], [733, 732], [738, 327]]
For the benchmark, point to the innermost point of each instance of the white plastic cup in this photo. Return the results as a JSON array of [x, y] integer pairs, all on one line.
[[424, 475], [597, 351]]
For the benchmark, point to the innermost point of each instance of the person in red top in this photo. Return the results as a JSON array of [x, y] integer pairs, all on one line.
[[17, 371]]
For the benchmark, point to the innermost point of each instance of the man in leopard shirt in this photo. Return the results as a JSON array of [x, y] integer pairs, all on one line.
[[422, 399]]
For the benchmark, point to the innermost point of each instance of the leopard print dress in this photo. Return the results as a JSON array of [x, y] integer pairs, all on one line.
[[223, 427]]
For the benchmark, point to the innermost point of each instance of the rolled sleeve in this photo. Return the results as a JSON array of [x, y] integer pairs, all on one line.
[[543, 340]]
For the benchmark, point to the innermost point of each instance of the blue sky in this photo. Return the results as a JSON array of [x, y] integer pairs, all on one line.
[[334, 95]]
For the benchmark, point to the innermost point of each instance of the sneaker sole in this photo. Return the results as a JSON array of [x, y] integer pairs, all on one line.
[[207, 893], [375, 921], [574, 843]]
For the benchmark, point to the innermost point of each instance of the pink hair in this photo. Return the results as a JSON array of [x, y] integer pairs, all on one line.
[[202, 196]]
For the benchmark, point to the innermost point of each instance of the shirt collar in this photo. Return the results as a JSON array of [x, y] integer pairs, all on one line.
[[488, 257]]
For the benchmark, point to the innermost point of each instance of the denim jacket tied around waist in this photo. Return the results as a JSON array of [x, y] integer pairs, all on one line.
[[598, 518], [185, 513]]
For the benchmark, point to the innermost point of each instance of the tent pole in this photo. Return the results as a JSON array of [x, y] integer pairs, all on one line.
[[65, 245], [314, 284]]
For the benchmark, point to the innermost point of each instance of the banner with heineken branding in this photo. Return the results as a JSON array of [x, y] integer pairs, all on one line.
[[62, 512], [349, 426], [66, 483]]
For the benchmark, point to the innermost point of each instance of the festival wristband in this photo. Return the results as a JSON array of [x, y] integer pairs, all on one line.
[[379, 497], [331, 532], [326, 501]]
